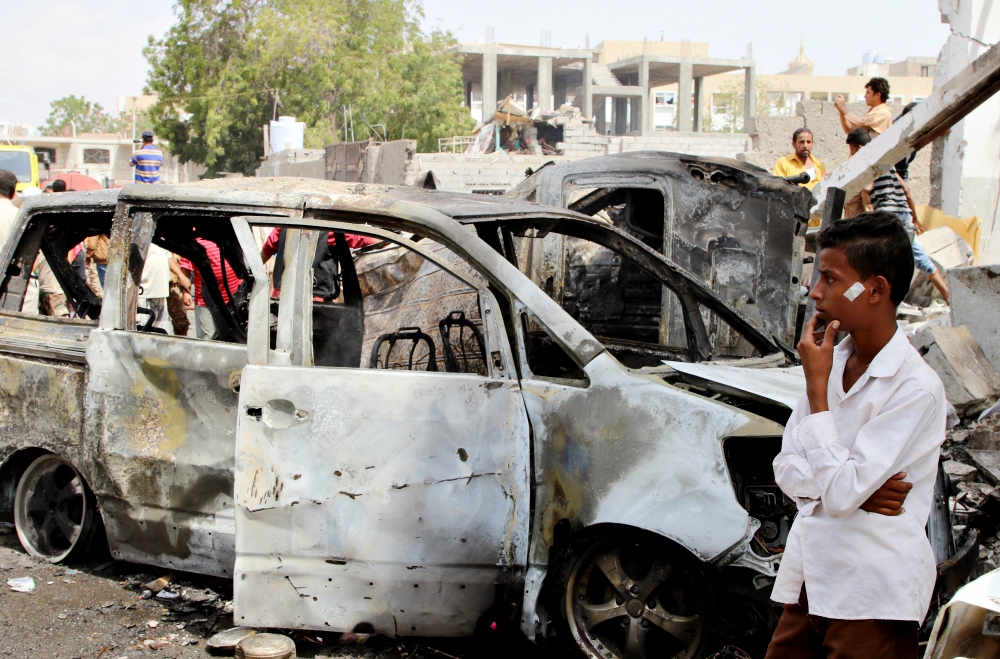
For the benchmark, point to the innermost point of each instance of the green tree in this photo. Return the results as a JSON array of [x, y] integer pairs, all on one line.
[[225, 68], [87, 117]]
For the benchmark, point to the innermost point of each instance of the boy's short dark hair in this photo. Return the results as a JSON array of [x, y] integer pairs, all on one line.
[[8, 184], [879, 86], [58, 185], [859, 137], [875, 244]]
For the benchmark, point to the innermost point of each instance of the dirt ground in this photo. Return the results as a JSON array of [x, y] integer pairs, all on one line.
[[97, 611]]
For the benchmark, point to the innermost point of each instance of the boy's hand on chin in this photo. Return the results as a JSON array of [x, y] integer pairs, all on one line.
[[816, 352]]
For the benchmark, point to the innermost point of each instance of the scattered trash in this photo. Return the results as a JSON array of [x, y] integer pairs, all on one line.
[[158, 584], [146, 594], [49, 583], [71, 573], [62, 616], [152, 624], [230, 638], [271, 646], [22, 584], [167, 595], [352, 638]]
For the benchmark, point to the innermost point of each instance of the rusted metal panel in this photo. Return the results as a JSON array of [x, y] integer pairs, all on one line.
[[392, 498], [161, 413]]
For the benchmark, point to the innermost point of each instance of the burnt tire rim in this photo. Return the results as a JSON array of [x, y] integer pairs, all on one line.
[[630, 600], [51, 508]]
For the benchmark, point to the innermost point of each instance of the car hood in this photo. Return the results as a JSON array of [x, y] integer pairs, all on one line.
[[776, 385]]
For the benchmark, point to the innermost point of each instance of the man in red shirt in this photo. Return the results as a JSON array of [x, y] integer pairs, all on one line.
[[204, 325], [274, 244]]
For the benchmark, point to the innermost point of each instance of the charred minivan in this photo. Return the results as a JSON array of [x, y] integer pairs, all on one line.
[[444, 446]]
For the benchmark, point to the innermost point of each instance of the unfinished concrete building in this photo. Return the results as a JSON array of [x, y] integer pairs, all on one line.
[[547, 77]]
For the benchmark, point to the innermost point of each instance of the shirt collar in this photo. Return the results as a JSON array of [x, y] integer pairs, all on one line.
[[888, 360]]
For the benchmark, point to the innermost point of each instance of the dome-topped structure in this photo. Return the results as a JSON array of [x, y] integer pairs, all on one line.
[[801, 65]]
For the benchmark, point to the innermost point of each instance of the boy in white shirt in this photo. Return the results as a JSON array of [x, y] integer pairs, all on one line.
[[858, 572]]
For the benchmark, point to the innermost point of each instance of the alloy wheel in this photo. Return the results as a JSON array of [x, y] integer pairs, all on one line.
[[53, 510], [631, 600]]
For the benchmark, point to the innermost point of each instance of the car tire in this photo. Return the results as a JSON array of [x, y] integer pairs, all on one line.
[[633, 595], [54, 510]]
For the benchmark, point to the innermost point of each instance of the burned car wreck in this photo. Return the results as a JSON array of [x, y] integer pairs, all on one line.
[[445, 445]]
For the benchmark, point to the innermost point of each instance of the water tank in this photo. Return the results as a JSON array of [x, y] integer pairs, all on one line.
[[286, 133]]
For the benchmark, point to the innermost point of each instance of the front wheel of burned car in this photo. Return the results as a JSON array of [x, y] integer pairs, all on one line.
[[54, 510], [634, 596]]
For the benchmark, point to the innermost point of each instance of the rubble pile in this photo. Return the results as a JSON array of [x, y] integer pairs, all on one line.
[[971, 460]]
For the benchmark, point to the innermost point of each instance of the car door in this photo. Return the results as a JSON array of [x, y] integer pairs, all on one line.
[[164, 409], [368, 498]]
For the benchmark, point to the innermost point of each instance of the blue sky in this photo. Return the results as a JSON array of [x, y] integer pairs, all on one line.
[[94, 47]]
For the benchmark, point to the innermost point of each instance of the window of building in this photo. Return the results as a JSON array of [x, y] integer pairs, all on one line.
[[896, 100], [41, 151], [664, 98], [96, 156], [919, 99], [925, 72], [819, 96]]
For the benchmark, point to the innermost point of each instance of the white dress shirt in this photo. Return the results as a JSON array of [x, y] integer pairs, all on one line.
[[8, 213], [857, 565]]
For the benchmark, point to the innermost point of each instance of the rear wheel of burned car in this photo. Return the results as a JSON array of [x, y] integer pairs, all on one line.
[[634, 596], [54, 510]]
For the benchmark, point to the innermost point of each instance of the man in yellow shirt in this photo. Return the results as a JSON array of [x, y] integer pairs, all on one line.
[[802, 160], [879, 116]]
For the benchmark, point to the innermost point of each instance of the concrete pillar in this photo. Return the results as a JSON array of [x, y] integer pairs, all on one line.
[[698, 88], [621, 115], [588, 88], [644, 120], [559, 90], [505, 87], [529, 93], [749, 95], [684, 84], [489, 85], [601, 120], [545, 83]]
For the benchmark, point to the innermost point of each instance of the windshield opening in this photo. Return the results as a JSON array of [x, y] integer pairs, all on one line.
[[18, 162]]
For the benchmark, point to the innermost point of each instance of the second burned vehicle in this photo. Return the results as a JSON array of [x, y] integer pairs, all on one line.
[[442, 447]]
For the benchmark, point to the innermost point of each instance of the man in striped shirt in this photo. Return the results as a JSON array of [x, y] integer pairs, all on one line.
[[887, 194], [147, 160]]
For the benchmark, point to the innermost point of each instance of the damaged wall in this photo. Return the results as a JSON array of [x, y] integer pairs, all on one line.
[[495, 173], [772, 139]]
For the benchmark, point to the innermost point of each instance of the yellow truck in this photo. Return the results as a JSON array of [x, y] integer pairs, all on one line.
[[21, 160]]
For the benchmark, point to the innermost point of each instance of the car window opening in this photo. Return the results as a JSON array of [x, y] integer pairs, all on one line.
[[54, 268]]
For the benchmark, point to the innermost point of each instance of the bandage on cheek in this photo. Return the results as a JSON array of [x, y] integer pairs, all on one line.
[[856, 289]]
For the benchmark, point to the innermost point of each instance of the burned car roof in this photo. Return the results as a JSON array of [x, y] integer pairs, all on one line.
[[297, 193], [752, 178]]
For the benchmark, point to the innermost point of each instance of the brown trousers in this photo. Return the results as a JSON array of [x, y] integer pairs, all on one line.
[[803, 636]]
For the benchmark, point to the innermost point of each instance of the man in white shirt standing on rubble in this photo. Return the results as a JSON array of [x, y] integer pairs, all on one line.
[[858, 571]]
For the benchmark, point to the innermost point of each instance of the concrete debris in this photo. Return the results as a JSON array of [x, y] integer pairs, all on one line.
[[957, 471], [975, 292], [21, 584], [987, 463], [970, 381], [947, 248], [913, 319]]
